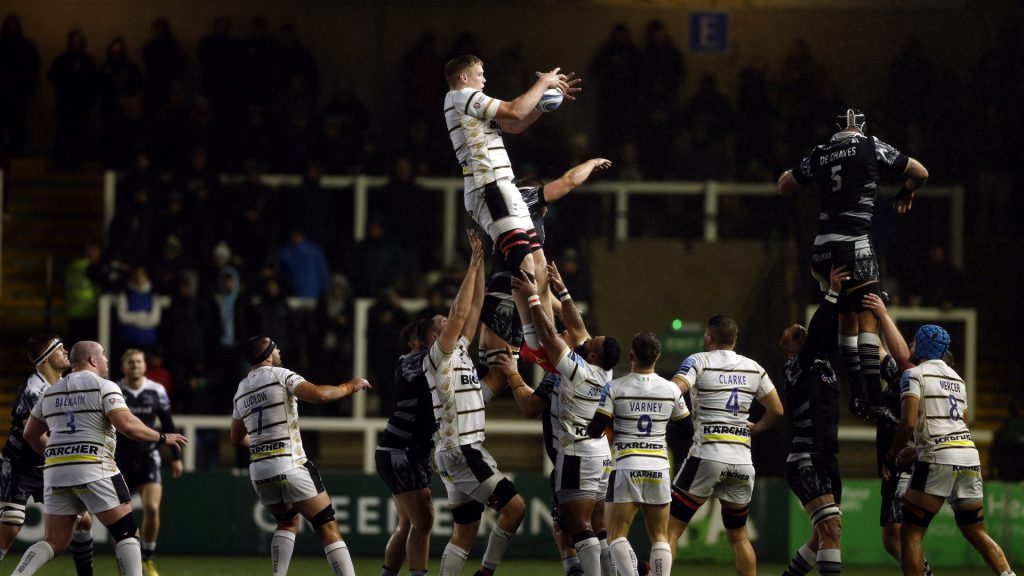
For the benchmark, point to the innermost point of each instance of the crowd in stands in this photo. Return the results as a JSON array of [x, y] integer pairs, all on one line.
[[226, 257]]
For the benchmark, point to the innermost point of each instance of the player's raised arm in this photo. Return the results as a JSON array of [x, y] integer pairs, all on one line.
[[472, 323], [898, 348], [572, 178], [516, 116], [321, 394], [916, 175], [463, 304], [530, 404], [568, 312], [546, 333]]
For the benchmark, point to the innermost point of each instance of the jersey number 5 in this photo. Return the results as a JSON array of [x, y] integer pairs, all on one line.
[[837, 180], [733, 403]]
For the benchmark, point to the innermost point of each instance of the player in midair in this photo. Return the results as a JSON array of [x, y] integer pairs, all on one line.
[[845, 172]]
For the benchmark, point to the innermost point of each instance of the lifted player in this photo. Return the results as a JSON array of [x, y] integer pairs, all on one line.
[[845, 172]]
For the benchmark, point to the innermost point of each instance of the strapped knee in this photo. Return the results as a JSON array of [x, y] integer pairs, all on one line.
[[503, 493], [513, 247], [683, 507], [468, 513], [583, 535], [12, 514], [286, 515], [323, 517], [825, 512], [916, 516], [735, 518], [968, 517], [124, 528]]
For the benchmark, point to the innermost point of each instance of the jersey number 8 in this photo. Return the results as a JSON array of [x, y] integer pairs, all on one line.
[[954, 408]]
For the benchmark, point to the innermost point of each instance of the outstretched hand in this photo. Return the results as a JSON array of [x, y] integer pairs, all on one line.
[[358, 384], [600, 163], [875, 304], [476, 247], [567, 83], [523, 283], [555, 278]]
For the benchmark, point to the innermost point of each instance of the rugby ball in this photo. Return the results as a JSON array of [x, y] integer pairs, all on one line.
[[551, 100]]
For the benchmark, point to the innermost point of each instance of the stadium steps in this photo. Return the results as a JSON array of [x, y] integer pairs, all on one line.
[[47, 215]]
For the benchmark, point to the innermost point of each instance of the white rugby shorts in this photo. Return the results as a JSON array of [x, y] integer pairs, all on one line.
[[955, 484], [581, 477], [295, 485], [98, 496], [468, 472], [641, 486], [498, 207], [732, 483]]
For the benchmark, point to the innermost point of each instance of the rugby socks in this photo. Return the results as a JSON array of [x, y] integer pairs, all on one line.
[[497, 544], [420, 572], [829, 561], [452, 560], [129, 556], [867, 345], [281, 547], [588, 549], [928, 569], [339, 559], [623, 557], [803, 562], [530, 336], [851, 363], [148, 549], [33, 559], [1008, 573], [572, 567], [606, 554], [385, 571], [3, 553], [661, 559], [81, 550]]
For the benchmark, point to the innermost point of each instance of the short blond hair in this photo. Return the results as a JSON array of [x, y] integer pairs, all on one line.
[[131, 352], [458, 65]]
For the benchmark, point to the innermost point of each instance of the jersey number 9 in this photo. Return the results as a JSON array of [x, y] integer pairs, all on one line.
[[644, 424]]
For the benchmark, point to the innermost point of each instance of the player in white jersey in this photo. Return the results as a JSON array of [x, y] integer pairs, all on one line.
[[640, 404], [722, 386], [470, 475], [73, 427], [934, 412], [583, 465], [21, 467], [265, 421], [475, 124]]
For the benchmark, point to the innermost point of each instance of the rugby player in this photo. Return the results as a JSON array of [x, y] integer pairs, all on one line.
[[265, 421], [845, 172], [639, 406], [722, 386]]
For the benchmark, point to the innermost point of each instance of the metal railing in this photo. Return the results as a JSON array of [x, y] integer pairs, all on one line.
[[623, 190]]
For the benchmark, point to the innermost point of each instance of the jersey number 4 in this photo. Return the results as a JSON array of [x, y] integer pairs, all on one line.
[[733, 403]]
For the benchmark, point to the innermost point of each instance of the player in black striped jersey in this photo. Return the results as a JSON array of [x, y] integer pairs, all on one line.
[[845, 172], [403, 458], [501, 324], [812, 399], [21, 467], [138, 461]]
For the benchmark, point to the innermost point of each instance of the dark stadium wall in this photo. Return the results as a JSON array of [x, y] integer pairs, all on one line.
[[359, 44]]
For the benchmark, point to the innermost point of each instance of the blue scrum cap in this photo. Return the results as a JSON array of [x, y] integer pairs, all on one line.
[[932, 342]]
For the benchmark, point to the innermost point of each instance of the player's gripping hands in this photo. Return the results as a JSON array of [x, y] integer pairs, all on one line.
[[567, 83]]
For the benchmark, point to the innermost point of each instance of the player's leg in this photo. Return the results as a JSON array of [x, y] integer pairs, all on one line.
[[58, 528], [82, 546], [692, 486], [419, 509], [319, 512], [511, 508], [656, 516], [152, 493], [970, 520], [826, 519], [734, 518], [919, 508], [120, 522], [576, 507], [621, 517], [570, 561], [12, 506], [466, 514], [599, 521], [395, 549]]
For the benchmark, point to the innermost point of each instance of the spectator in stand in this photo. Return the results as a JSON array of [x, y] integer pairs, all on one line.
[[168, 267], [219, 65], [164, 62], [754, 135], [664, 73], [1007, 460], [175, 222], [119, 78], [575, 277], [131, 231], [267, 312], [188, 331], [802, 74], [340, 149], [303, 266], [374, 262], [386, 319], [229, 365], [81, 295], [936, 284], [73, 75], [297, 60], [253, 236], [19, 70], [437, 303], [909, 89], [420, 234], [614, 69], [710, 119], [261, 55], [257, 142], [423, 88], [334, 343], [138, 312]]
